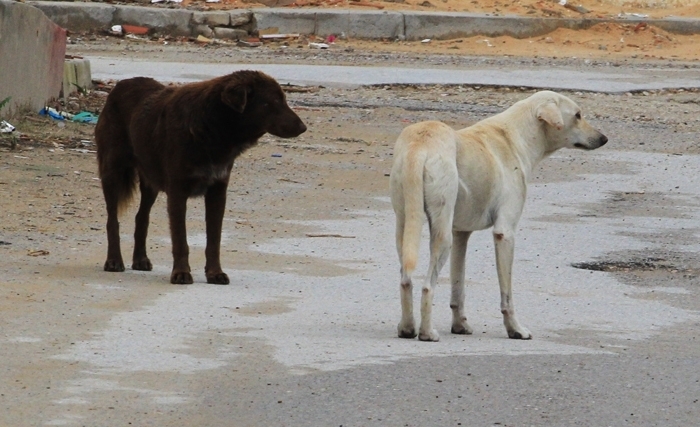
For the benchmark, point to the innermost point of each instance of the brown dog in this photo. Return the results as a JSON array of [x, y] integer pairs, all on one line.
[[183, 141]]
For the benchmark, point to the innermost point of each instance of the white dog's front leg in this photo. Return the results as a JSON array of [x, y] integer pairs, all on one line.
[[505, 245], [457, 260]]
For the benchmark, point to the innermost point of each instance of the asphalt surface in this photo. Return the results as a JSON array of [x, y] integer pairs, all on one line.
[[599, 79], [297, 349]]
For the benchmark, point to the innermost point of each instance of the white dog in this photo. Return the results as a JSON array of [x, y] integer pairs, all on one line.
[[469, 180]]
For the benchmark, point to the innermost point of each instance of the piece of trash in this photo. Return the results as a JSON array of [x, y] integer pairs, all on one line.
[[51, 112], [580, 9], [562, 2], [6, 127], [166, 1], [488, 43], [425, 41], [4, 243], [331, 38], [82, 151], [116, 30], [632, 15], [249, 43], [135, 29], [289, 180], [276, 155], [213, 1], [39, 252], [201, 39], [318, 45], [85, 117], [279, 36]]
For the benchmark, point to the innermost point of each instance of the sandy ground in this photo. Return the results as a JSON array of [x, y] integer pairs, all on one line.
[[575, 9], [601, 41]]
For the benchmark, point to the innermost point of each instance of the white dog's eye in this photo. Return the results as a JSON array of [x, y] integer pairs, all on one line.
[[578, 115]]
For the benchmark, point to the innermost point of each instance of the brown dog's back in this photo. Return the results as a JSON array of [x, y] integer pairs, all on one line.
[[115, 154]]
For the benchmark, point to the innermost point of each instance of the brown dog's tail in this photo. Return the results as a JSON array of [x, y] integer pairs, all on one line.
[[115, 155]]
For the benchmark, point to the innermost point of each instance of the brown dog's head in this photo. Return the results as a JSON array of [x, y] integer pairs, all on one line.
[[564, 123], [262, 103]]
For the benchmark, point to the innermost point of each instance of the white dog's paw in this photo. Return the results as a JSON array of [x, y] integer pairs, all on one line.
[[461, 327], [519, 333], [407, 331], [430, 335]]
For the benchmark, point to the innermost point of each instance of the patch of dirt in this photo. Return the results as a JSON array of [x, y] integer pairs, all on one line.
[[545, 8], [603, 41]]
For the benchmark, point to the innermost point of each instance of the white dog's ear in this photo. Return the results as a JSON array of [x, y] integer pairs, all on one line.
[[549, 113]]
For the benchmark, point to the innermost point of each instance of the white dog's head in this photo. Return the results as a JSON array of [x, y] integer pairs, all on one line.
[[564, 124]]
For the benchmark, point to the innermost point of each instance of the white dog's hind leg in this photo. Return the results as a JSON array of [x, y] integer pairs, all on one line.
[[440, 217], [505, 245], [407, 326], [457, 260], [439, 251]]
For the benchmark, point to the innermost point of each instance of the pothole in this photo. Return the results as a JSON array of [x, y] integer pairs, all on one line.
[[644, 264]]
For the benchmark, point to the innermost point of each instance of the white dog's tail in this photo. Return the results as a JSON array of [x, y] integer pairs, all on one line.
[[413, 209], [424, 156]]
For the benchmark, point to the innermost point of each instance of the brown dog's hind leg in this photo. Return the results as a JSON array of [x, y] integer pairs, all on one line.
[[148, 197], [215, 202], [114, 254]]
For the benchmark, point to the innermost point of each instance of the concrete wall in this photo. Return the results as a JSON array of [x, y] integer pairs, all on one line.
[[32, 50]]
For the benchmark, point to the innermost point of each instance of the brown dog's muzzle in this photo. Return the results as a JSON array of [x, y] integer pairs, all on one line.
[[289, 127]]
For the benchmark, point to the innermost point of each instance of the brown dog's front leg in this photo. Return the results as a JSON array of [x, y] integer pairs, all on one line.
[[215, 201], [177, 210]]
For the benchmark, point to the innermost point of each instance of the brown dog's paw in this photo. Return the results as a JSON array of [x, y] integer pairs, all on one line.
[[114, 265], [142, 265], [181, 278], [218, 279]]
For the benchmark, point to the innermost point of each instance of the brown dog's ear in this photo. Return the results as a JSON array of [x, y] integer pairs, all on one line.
[[549, 113], [235, 96]]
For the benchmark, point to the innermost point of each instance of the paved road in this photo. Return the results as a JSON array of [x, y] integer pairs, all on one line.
[[599, 79], [299, 350]]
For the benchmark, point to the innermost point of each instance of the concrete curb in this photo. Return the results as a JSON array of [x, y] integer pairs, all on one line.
[[80, 16]]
